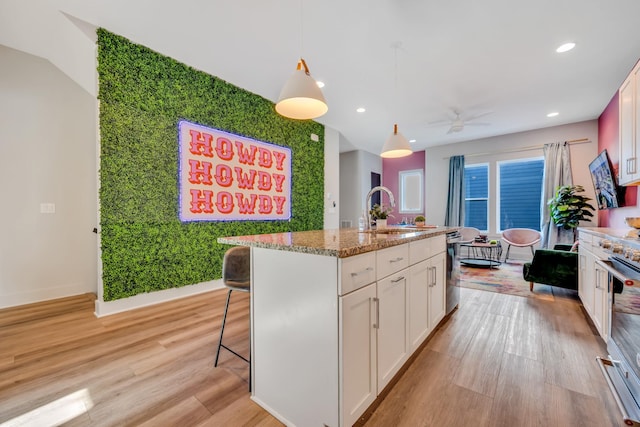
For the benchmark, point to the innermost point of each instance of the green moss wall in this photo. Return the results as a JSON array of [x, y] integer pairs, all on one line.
[[143, 95]]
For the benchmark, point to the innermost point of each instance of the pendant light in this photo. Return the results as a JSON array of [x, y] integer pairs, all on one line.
[[301, 98], [396, 145]]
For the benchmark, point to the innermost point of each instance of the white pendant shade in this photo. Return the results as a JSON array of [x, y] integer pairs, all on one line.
[[301, 98], [396, 145]]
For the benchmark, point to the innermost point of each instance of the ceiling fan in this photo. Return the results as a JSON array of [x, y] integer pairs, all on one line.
[[458, 123]]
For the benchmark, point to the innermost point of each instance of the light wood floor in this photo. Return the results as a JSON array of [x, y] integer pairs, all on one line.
[[498, 361]]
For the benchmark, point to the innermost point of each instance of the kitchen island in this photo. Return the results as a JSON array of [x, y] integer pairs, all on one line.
[[335, 314]]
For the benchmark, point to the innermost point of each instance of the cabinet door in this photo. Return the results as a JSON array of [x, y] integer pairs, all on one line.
[[420, 277], [628, 169], [358, 342], [600, 303], [437, 290], [586, 279], [392, 331]]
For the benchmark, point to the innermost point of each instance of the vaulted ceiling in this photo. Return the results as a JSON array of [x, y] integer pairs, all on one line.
[[495, 59]]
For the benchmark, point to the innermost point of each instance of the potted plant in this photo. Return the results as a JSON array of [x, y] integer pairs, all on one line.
[[380, 213], [569, 208], [420, 221]]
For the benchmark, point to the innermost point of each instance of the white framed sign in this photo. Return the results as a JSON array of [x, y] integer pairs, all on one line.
[[227, 177]]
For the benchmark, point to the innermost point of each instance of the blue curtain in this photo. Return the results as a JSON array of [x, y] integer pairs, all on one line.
[[455, 199]]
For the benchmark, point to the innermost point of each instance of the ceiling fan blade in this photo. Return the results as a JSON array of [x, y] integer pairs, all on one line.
[[439, 122], [477, 116], [477, 124]]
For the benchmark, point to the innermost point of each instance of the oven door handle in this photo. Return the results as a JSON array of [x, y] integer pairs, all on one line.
[[608, 267]]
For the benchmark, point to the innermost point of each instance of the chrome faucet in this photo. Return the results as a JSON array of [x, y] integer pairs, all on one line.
[[392, 202]]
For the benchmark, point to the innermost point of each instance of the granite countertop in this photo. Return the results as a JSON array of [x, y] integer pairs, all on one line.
[[630, 234], [341, 243]]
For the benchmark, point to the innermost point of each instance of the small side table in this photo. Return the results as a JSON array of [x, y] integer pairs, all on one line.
[[483, 255]]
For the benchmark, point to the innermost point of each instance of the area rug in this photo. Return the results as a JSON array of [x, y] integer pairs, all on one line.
[[507, 279]]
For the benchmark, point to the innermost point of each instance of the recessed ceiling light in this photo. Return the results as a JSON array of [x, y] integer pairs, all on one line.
[[320, 84], [566, 47], [412, 141], [555, 113], [361, 110]]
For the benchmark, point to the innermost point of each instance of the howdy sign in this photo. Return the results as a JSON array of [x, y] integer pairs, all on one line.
[[226, 177]]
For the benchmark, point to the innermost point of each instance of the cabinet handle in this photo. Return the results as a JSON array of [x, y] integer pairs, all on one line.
[[435, 275], [631, 165], [399, 279], [397, 259], [597, 279], [376, 325], [362, 272]]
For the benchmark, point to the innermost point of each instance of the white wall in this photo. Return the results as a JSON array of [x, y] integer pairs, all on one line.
[[47, 155], [508, 147], [355, 182]]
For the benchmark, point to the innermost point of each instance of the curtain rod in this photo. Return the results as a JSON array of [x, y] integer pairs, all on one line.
[[529, 148]]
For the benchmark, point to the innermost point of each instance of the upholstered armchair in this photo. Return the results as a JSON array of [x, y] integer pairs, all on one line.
[[554, 267]]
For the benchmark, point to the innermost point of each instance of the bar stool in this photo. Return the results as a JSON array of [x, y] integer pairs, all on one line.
[[236, 275]]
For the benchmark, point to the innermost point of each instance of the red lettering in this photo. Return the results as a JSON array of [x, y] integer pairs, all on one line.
[[279, 180], [280, 156], [245, 156], [201, 201], [224, 202], [224, 148], [244, 180], [279, 203], [264, 157], [265, 206], [224, 176], [200, 173], [200, 143], [246, 205], [264, 181]]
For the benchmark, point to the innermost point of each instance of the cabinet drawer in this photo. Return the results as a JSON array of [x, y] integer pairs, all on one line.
[[356, 272], [392, 259], [420, 250]]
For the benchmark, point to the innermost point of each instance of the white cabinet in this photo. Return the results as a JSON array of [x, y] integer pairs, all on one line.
[[358, 341], [437, 290], [418, 289], [601, 302], [329, 333], [392, 332], [593, 283], [586, 278], [629, 128]]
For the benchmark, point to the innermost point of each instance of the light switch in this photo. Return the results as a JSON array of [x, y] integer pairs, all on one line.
[[47, 208]]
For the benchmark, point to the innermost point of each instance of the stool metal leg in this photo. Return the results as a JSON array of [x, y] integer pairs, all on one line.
[[224, 319], [220, 345]]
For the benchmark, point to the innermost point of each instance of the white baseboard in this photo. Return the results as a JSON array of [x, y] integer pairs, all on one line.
[[45, 294], [106, 308]]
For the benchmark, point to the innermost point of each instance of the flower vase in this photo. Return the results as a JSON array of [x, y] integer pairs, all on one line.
[[419, 223], [381, 223]]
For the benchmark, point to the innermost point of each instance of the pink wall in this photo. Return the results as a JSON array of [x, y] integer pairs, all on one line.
[[608, 139], [390, 170]]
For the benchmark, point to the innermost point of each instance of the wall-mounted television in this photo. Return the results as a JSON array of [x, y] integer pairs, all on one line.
[[608, 194]]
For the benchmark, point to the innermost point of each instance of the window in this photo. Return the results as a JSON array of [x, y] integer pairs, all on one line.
[[476, 198], [411, 191], [520, 193]]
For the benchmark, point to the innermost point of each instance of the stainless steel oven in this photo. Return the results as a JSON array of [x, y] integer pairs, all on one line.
[[622, 368]]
